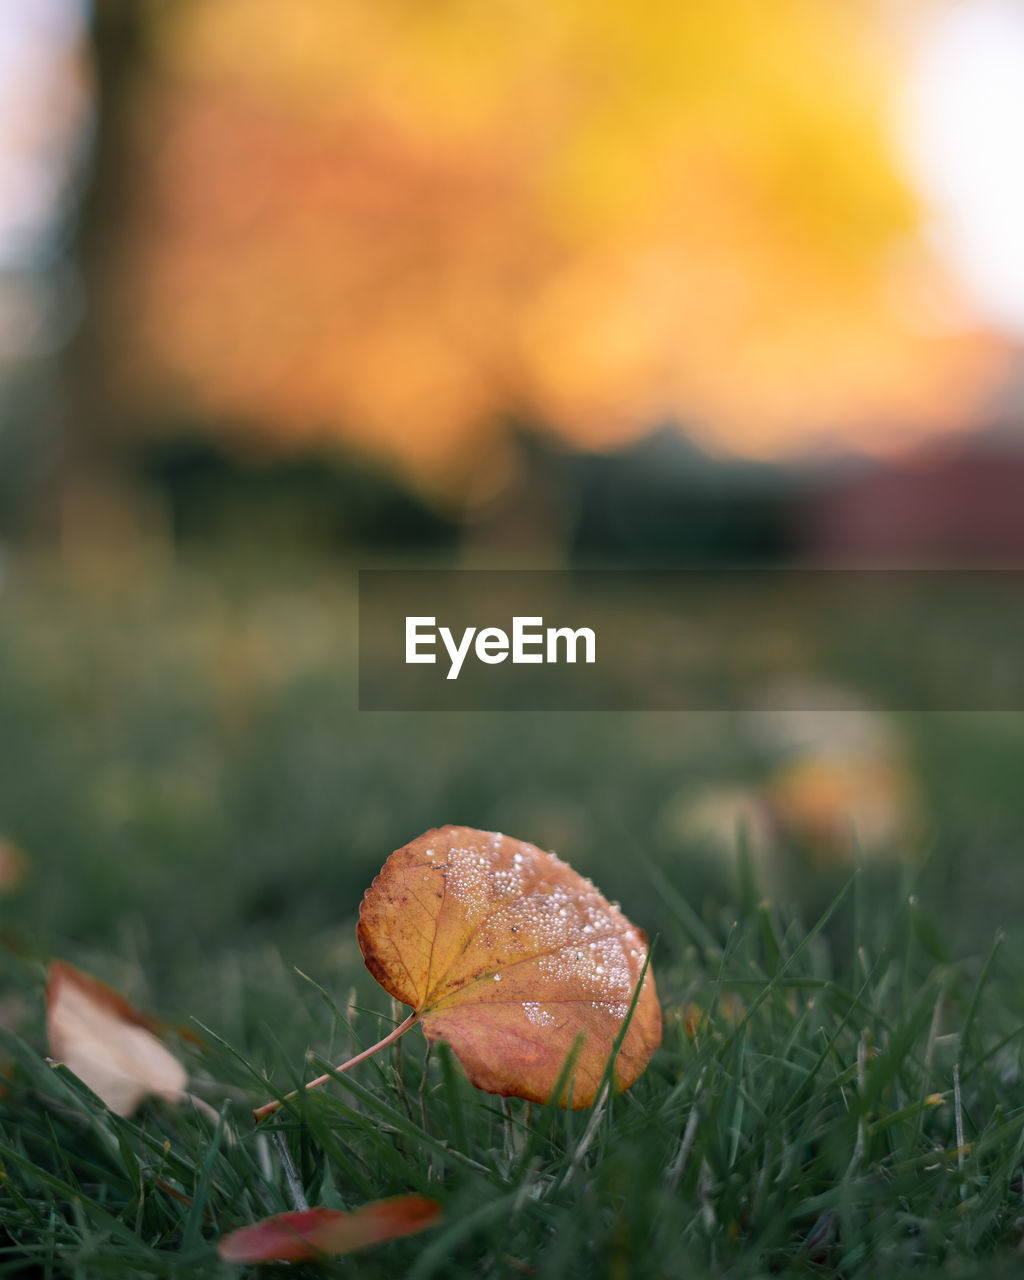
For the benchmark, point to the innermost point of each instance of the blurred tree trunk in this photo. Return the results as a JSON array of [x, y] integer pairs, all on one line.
[[88, 492]]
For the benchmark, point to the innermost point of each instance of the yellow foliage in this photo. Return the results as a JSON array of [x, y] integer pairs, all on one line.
[[400, 222]]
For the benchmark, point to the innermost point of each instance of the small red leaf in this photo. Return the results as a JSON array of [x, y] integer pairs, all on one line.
[[312, 1233]]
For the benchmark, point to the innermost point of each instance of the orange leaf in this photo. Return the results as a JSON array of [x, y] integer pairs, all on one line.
[[311, 1233], [509, 955], [13, 866], [108, 1044]]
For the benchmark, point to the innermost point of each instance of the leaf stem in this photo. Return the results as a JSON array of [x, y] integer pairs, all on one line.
[[269, 1108]]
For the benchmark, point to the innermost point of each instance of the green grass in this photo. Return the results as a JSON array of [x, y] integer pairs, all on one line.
[[800, 1115], [201, 807]]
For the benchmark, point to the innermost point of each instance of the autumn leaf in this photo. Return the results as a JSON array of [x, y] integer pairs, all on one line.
[[312, 1233], [510, 956], [107, 1043], [13, 866], [841, 805]]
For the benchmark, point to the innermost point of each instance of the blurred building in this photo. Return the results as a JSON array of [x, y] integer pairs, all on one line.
[[962, 502]]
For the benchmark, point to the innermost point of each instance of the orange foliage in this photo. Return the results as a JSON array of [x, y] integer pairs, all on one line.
[[398, 223]]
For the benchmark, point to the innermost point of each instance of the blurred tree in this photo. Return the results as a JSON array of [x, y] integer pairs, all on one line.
[[87, 459], [400, 224]]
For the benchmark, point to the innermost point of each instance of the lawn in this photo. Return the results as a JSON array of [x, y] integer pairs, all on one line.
[[200, 806]]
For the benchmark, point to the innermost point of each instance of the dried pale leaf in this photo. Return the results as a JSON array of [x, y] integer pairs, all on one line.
[[510, 956], [312, 1233], [108, 1044]]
